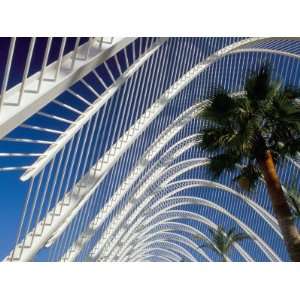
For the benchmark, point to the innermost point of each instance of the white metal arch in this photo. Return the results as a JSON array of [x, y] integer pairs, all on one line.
[[264, 214], [167, 245], [164, 215], [155, 241], [174, 202], [145, 258], [123, 145], [162, 236], [68, 212], [178, 186], [162, 251]]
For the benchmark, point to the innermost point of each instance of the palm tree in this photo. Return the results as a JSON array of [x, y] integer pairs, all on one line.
[[221, 241], [256, 129]]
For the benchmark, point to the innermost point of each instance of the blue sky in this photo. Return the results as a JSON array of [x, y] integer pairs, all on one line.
[[12, 191]]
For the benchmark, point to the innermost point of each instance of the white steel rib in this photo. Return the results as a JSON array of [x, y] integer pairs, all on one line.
[[149, 193]]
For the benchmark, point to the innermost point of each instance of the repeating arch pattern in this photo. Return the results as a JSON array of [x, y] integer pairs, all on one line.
[[118, 176]]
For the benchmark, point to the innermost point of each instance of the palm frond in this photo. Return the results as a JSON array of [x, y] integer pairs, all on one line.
[[220, 108], [222, 162], [258, 84]]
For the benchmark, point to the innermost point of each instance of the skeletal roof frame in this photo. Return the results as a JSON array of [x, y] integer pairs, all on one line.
[[113, 172]]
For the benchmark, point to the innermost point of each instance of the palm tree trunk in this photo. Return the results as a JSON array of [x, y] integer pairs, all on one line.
[[281, 208]]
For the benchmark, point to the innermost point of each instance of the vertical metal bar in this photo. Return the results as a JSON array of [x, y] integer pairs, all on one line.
[[46, 56], [26, 70], [7, 70], [60, 57], [28, 196], [100, 42], [88, 48], [75, 53], [109, 72]]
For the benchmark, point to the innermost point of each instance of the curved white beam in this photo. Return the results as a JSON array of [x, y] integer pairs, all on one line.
[[192, 164], [171, 226], [165, 236], [129, 137], [169, 246], [75, 203], [179, 201], [152, 113], [148, 245], [174, 188], [163, 214], [163, 252], [147, 158], [147, 258]]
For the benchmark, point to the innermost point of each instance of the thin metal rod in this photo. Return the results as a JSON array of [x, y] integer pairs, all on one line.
[[79, 97], [75, 53], [45, 61], [67, 107], [20, 140], [26, 70], [60, 57], [22, 219], [54, 117], [7, 70], [19, 154], [5, 169], [40, 128]]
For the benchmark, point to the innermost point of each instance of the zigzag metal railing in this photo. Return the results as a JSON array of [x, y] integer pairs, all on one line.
[[175, 86], [179, 85], [89, 113]]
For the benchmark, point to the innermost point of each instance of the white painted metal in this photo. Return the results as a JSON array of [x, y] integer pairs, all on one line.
[[87, 184], [14, 113], [89, 113]]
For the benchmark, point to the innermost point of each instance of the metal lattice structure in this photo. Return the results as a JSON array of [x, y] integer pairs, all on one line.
[[109, 168]]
